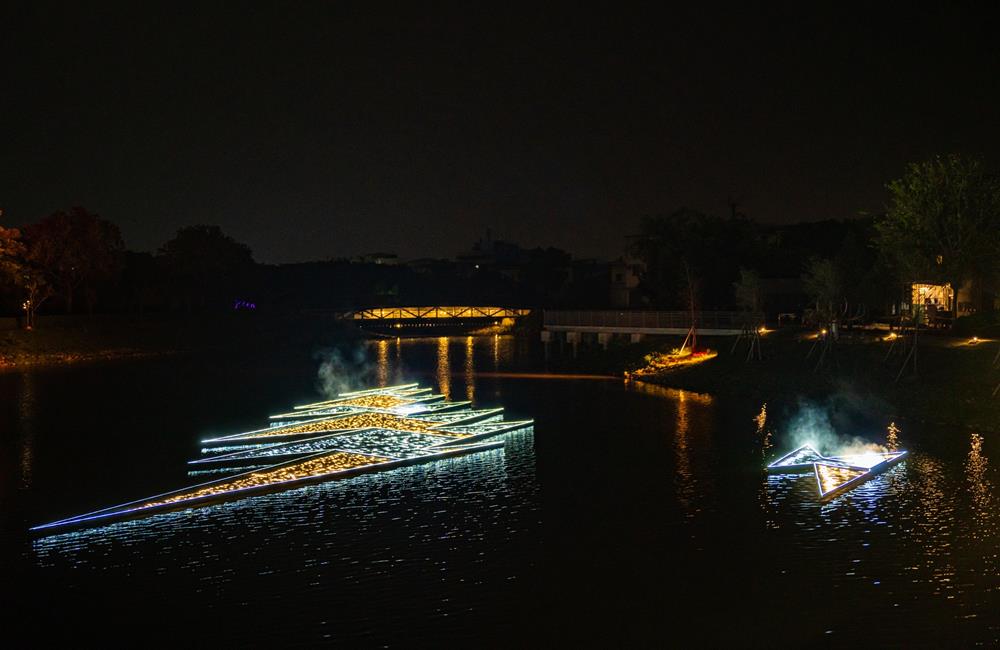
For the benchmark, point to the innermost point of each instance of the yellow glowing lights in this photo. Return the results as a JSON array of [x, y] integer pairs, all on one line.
[[761, 418], [838, 474], [658, 362], [831, 477], [353, 421], [375, 401], [367, 438], [423, 313], [309, 468]]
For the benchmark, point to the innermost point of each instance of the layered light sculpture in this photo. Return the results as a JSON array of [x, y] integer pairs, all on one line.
[[369, 437], [835, 475]]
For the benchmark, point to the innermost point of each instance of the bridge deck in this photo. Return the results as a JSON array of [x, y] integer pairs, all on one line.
[[434, 313]]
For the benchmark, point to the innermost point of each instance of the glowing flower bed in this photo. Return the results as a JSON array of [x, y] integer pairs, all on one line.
[[657, 362]]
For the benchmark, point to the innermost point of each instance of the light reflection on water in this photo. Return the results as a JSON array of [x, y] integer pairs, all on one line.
[[408, 488], [340, 543], [26, 405], [470, 369], [983, 505], [661, 482], [383, 362], [477, 351], [443, 368]]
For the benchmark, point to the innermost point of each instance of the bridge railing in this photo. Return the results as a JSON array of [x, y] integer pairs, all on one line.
[[650, 319], [434, 312]]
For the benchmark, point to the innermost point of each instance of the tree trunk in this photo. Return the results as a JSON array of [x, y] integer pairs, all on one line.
[[955, 286]]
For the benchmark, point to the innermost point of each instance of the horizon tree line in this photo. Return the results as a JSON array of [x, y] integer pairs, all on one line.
[[941, 224]]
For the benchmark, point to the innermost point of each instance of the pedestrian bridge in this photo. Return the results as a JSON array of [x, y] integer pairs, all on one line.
[[435, 313]]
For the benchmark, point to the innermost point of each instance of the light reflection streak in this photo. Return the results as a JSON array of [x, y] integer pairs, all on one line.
[[470, 369], [382, 349], [976, 469], [892, 437], [672, 394], [761, 419], [26, 412], [685, 481], [399, 359], [443, 367], [934, 521]]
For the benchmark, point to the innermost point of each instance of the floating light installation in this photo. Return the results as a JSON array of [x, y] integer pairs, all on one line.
[[362, 441], [657, 362], [835, 475]]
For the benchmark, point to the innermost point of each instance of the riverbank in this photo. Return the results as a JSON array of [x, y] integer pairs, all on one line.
[[952, 387], [60, 340]]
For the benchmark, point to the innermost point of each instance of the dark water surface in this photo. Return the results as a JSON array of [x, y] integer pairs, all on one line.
[[630, 515]]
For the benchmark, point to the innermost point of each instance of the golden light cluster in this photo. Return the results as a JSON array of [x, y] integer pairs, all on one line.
[[355, 421], [657, 362], [328, 464], [831, 477], [375, 401]]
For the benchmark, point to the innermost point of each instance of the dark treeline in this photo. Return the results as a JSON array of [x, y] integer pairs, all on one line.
[[941, 225], [48, 266], [737, 263]]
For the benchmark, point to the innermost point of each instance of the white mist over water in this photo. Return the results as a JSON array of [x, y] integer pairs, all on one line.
[[812, 425], [341, 371]]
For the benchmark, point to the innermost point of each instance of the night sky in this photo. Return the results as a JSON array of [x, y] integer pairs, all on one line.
[[321, 131]]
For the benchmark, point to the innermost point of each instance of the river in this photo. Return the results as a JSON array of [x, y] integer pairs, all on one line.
[[630, 514]]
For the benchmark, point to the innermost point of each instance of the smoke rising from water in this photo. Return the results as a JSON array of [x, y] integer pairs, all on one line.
[[344, 370], [833, 427]]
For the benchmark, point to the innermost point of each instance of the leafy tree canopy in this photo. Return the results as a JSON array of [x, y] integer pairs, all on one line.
[[943, 222], [73, 250]]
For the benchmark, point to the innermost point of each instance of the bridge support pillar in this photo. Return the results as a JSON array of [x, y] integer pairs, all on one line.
[[604, 338], [547, 337], [573, 338], [635, 337]]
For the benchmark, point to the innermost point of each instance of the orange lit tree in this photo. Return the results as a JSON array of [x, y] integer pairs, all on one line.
[[17, 270], [73, 251]]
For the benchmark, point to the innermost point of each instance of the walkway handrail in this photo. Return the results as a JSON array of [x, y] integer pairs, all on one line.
[[650, 319]]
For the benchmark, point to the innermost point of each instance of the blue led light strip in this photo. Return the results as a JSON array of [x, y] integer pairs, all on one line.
[[441, 430]]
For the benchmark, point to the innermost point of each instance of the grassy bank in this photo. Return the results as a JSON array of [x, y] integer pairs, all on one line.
[[75, 339], [953, 384]]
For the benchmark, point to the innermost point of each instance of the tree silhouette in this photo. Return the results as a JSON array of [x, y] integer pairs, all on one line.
[[204, 266], [943, 223], [75, 250]]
